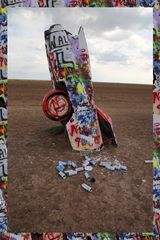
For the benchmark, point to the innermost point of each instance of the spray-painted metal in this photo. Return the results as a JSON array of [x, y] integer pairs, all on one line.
[[71, 101], [60, 167], [112, 166], [62, 175], [70, 172], [69, 163], [79, 169], [85, 163], [92, 163], [74, 165], [64, 163], [89, 177], [86, 187]]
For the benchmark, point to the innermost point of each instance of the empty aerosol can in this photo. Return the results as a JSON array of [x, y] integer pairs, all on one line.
[[69, 163], [74, 165], [123, 168], [89, 177], [92, 162], [64, 163], [70, 172], [86, 187], [62, 175], [60, 167], [79, 169], [85, 163]]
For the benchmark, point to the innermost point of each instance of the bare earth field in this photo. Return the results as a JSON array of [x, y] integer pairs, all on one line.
[[40, 201]]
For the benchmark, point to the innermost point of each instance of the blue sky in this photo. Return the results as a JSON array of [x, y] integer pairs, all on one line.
[[119, 41]]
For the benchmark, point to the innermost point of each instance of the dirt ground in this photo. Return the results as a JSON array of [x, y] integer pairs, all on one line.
[[40, 201]]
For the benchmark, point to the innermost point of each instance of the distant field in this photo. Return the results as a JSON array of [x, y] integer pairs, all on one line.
[[40, 201]]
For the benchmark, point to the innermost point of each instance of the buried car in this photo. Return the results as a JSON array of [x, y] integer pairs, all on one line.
[[71, 100]]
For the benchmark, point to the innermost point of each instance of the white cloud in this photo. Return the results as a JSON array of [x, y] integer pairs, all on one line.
[[119, 41]]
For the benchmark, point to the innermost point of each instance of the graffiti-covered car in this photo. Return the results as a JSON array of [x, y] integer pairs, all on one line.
[[71, 99]]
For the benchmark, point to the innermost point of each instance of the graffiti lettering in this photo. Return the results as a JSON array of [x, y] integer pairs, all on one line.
[[96, 139], [73, 130], [77, 140], [156, 96], [56, 41]]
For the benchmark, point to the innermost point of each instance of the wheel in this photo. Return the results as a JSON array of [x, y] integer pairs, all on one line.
[[57, 106]]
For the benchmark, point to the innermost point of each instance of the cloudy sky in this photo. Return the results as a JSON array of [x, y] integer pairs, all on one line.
[[119, 41]]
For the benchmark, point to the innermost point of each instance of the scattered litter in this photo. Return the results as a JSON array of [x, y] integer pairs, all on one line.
[[86, 187], [92, 162], [70, 172], [85, 163], [60, 167], [63, 163], [122, 167], [88, 168], [106, 165], [67, 168], [148, 161], [74, 165], [62, 175], [79, 169], [89, 177], [87, 158], [112, 166]]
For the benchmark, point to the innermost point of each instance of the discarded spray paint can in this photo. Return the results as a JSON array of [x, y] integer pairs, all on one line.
[[74, 165], [70, 172], [92, 162], [64, 163], [86, 187], [107, 165], [60, 167], [123, 167], [103, 164], [87, 158], [116, 167], [85, 163], [69, 163], [89, 177], [111, 167], [62, 175], [79, 169]]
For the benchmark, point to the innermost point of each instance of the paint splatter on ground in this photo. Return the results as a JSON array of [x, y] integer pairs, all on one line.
[[39, 201]]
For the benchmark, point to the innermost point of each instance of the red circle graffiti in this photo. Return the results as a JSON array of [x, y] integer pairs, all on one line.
[[58, 105]]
